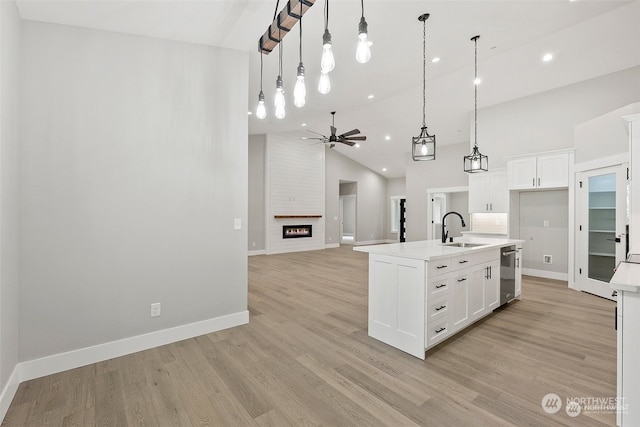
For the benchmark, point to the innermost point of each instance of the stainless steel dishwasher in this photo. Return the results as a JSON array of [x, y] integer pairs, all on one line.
[[507, 274]]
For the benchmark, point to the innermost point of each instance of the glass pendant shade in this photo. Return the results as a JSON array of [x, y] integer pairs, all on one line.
[[328, 62], [300, 91], [423, 146], [261, 110], [279, 101], [324, 85], [363, 52], [476, 161]]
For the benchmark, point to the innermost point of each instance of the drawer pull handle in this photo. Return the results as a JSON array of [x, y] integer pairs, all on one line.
[[441, 307], [462, 280], [463, 261], [441, 266], [441, 286], [440, 330]]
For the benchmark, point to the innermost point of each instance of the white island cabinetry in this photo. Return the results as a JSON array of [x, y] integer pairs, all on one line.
[[420, 293]]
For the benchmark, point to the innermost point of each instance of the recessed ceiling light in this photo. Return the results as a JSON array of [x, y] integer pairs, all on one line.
[[436, 59], [477, 81], [387, 138], [303, 125], [547, 57], [384, 169], [249, 113], [357, 145], [370, 96]]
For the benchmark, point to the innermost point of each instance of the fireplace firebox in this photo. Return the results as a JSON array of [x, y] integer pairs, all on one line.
[[296, 231]]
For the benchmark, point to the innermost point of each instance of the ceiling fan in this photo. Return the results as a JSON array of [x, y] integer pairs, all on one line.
[[345, 138]]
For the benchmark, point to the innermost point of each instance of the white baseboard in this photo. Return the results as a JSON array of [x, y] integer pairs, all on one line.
[[85, 356], [369, 242], [258, 252], [9, 391], [331, 245], [545, 274]]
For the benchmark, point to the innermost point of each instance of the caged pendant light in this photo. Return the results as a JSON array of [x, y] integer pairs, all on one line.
[[476, 161], [423, 147]]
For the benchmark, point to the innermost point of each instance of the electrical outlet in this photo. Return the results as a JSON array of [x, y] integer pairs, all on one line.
[[253, 244], [155, 310], [546, 222], [547, 259]]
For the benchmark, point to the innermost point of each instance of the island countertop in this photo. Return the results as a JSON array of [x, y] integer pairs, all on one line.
[[428, 250]]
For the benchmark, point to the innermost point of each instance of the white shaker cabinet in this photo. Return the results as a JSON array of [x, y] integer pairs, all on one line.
[[539, 171], [488, 192]]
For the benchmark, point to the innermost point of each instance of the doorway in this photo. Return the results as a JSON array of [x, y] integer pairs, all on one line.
[[348, 219], [602, 227]]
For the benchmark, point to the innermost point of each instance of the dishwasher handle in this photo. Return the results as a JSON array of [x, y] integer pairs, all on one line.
[[509, 252]]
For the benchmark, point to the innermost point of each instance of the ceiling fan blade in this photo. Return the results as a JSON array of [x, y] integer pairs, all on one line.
[[317, 133], [356, 138], [351, 132], [306, 138], [333, 130], [347, 142]]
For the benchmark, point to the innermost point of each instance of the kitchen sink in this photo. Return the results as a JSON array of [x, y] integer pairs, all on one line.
[[463, 244]]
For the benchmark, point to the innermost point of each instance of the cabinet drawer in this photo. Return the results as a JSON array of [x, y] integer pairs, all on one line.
[[439, 266], [439, 286], [437, 308], [438, 330], [474, 258]]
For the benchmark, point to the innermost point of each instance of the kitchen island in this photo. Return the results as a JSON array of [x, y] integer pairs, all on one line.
[[421, 293]]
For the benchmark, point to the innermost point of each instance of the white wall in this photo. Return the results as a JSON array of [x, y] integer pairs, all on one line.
[[10, 35], [546, 121], [256, 215], [371, 210], [446, 171], [458, 202], [132, 168], [295, 181]]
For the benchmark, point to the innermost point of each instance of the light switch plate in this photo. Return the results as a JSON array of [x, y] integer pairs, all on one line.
[[237, 223]]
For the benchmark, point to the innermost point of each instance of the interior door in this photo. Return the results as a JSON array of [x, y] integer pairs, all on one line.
[[439, 207], [602, 229]]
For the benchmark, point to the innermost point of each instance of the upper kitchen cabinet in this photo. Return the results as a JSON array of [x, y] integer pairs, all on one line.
[[545, 170], [488, 192]]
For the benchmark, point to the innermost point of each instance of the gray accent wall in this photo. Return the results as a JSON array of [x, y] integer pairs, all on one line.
[[256, 215], [371, 212], [10, 35], [132, 169]]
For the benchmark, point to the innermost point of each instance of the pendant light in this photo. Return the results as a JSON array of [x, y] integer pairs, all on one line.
[[279, 101], [300, 91], [423, 147], [476, 161], [261, 111], [327, 62], [363, 52]]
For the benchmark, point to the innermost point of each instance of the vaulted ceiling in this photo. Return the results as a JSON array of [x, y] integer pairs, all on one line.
[[587, 39]]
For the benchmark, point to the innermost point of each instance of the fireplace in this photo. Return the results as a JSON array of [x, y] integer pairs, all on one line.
[[295, 231]]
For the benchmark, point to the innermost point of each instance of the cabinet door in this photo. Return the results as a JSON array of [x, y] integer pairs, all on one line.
[[478, 193], [553, 171], [522, 173], [477, 297], [460, 300], [397, 302], [498, 192], [492, 285]]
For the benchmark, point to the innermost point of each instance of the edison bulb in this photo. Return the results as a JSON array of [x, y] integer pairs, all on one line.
[[261, 110], [424, 150], [299, 90], [324, 86], [363, 52], [279, 101], [475, 164], [328, 62]]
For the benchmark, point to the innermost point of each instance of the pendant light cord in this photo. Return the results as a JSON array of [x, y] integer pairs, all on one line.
[[261, 68], [362, 5], [326, 14], [300, 31], [280, 53], [424, 73], [475, 95]]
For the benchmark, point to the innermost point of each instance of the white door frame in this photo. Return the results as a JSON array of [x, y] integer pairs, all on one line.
[[355, 219], [583, 282]]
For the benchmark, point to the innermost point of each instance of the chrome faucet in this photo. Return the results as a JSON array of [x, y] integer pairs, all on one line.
[[445, 233]]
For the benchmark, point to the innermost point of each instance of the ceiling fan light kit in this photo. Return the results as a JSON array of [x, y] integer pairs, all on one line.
[[423, 146], [475, 161]]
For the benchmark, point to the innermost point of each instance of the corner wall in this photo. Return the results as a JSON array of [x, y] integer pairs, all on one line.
[[10, 41], [132, 169]]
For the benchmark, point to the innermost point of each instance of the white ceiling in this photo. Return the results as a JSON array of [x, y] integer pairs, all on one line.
[[587, 38]]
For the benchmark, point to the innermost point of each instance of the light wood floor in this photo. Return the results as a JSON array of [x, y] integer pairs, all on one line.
[[305, 359]]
